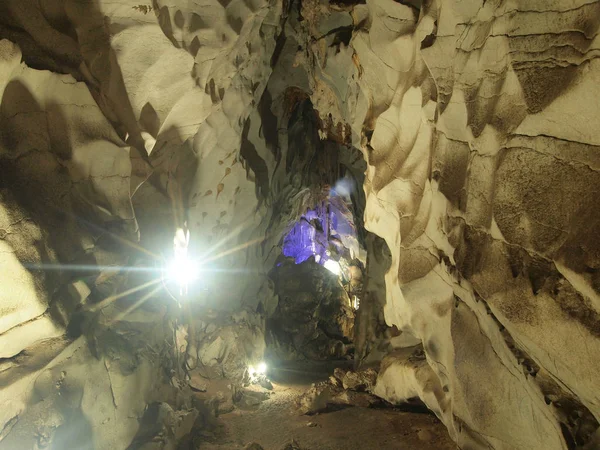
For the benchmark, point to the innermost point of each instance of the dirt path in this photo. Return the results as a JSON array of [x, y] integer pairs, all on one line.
[[276, 422]]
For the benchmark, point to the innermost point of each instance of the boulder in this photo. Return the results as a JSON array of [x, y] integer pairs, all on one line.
[[362, 380]]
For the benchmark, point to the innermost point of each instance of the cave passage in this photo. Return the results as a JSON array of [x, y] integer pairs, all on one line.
[[319, 281], [299, 225]]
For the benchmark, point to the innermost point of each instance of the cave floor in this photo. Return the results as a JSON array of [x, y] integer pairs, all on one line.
[[276, 423]]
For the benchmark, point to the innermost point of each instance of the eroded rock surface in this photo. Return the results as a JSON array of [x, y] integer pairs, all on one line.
[[463, 183], [314, 318], [471, 125]]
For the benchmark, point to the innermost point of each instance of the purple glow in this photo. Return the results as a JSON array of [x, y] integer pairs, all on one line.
[[304, 240], [308, 237]]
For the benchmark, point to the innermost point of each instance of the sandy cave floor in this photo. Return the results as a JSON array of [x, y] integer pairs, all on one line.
[[276, 422]]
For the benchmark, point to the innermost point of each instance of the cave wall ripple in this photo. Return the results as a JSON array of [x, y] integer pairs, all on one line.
[[476, 120], [477, 123]]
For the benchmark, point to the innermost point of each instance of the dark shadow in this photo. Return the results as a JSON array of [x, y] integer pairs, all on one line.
[[151, 427], [268, 124], [303, 139], [313, 319], [164, 21], [55, 45], [304, 372], [149, 119], [256, 164], [412, 405], [370, 326], [34, 56], [35, 184]]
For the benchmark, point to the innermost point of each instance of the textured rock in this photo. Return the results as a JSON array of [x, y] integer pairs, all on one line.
[[325, 396], [439, 180], [225, 348], [95, 98], [291, 446], [313, 318], [162, 428], [80, 398], [362, 380], [477, 125], [251, 397], [474, 193]]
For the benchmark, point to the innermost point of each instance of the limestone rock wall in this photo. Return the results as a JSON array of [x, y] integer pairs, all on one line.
[[89, 392], [71, 161], [118, 122], [62, 169], [477, 120], [314, 318]]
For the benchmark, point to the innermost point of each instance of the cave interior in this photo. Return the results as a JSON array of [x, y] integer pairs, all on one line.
[[299, 224]]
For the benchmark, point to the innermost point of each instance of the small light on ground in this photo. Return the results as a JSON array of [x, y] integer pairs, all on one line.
[[262, 368], [258, 373]]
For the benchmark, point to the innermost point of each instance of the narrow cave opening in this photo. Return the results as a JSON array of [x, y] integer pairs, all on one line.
[[319, 282], [318, 278]]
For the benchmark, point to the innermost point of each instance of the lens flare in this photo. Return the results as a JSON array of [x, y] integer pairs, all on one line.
[[183, 271]]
